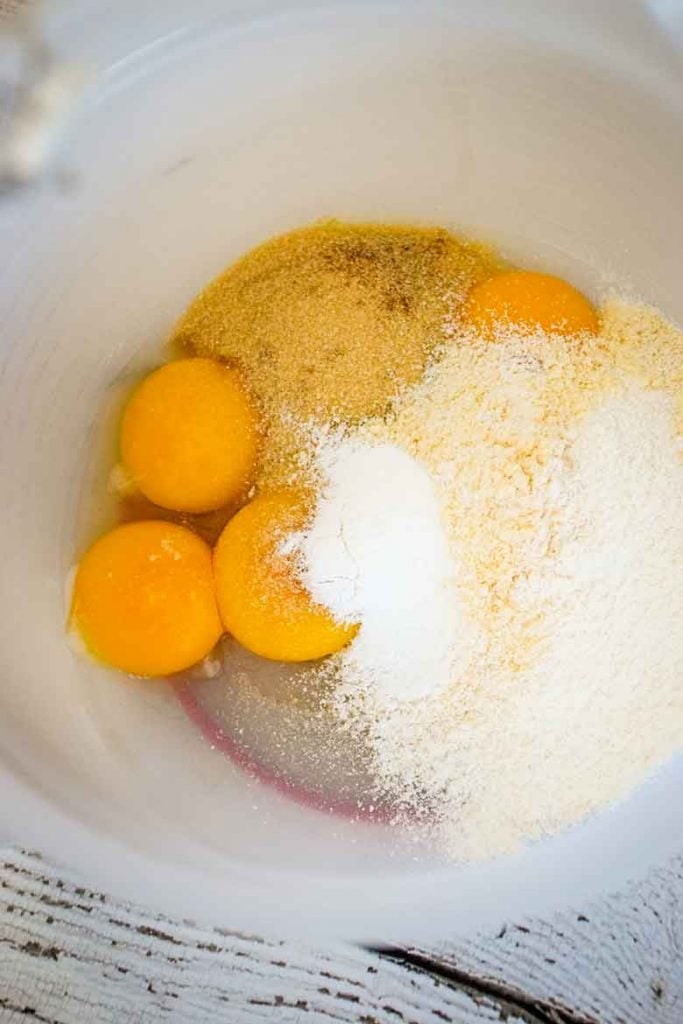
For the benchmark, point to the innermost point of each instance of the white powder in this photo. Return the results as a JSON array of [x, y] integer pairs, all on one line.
[[558, 477], [523, 754], [377, 554], [511, 539], [604, 704]]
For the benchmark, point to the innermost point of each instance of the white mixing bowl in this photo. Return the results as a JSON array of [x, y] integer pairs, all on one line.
[[553, 129]]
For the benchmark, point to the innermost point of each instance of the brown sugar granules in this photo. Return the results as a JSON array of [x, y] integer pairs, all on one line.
[[330, 322]]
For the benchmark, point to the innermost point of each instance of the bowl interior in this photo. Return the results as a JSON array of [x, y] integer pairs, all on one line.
[[557, 143]]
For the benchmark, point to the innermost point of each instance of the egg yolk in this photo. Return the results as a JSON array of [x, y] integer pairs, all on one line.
[[189, 436], [530, 301], [261, 601], [144, 599]]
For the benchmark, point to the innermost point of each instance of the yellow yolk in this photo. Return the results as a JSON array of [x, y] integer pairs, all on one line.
[[530, 301], [144, 599], [189, 436], [261, 601]]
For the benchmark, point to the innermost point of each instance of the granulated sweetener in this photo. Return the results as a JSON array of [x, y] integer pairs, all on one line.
[[377, 553]]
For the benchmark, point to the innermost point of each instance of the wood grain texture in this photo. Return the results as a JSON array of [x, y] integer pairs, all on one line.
[[618, 961], [68, 954]]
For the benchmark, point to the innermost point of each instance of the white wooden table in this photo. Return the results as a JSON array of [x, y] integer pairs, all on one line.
[[70, 955]]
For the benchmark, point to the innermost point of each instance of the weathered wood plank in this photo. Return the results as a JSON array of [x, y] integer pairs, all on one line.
[[618, 961], [67, 953]]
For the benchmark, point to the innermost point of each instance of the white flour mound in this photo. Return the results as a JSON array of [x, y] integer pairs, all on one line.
[[510, 537], [602, 704], [377, 554]]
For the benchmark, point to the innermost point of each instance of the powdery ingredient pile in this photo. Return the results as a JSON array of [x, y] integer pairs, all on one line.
[[447, 504], [556, 470], [330, 322], [377, 553]]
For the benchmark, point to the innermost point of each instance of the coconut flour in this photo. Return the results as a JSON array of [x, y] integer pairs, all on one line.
[[530, 493]]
